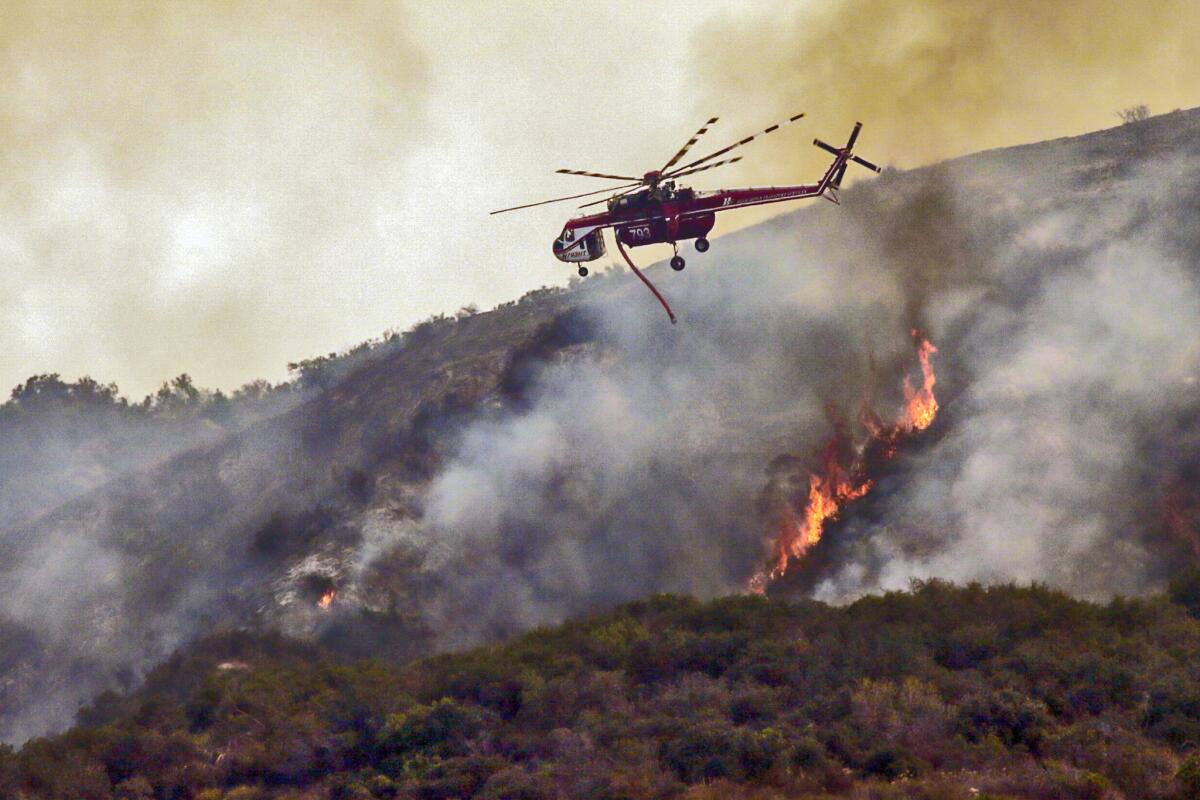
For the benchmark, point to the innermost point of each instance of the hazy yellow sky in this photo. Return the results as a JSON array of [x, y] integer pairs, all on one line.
[[222, 187]]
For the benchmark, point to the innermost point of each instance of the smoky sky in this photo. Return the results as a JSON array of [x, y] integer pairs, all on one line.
[[196, 186], [224, 187], [939, 78]]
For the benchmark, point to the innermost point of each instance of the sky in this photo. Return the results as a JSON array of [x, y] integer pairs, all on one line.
[[220, 188]]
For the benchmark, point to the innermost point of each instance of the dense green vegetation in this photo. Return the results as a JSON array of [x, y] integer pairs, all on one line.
[[941, 692]]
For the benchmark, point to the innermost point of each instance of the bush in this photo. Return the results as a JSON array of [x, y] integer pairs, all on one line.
[[1138, 113], [933, 688], [1184, 590], [701, 752], [1188, 778], [441, 729], [891, 763], [1015, 720]]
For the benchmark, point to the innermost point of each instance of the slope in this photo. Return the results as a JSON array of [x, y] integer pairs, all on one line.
[[554, 457]]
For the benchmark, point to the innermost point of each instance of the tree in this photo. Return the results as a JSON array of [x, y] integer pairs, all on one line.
[[1139, 113]]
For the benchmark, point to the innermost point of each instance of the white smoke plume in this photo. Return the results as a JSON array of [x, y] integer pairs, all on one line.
[[1063, 300], [1056, 453]]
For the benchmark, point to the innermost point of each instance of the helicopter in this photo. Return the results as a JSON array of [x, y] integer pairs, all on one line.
[[654, 209]]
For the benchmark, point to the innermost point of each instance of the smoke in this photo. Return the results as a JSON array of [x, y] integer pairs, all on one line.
[[168, 166], [1064, 305], [635, 465], [939, 78], [616, 455], [1081, 410]]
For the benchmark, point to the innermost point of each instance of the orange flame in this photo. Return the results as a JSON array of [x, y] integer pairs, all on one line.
[[920, 406], [836, 485], [327, 599]]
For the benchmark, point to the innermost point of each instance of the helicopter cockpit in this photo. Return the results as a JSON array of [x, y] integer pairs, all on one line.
[[662, 193], [631, 202]]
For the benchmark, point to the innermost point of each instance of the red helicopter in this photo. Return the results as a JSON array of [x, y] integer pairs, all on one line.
[[652, 210]]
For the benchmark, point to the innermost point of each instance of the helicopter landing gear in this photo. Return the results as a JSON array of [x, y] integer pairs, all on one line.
[[677, 262], [583, 272], [702, 245]]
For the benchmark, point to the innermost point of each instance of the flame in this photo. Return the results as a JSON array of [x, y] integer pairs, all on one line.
[[327, 599], [920, 406], [835, 485]]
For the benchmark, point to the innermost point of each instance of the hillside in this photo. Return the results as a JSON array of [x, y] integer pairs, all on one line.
[[938, 693], [479, 477]]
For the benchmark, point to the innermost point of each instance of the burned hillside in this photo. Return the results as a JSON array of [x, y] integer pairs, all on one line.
[[481, 476]]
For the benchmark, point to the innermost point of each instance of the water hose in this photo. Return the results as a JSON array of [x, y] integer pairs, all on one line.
[[645, 280]]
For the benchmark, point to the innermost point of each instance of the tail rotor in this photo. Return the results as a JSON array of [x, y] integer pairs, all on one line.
[[843, 156]]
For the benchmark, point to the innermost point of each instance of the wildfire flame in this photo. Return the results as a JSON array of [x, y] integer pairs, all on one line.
[[920, 406], [835, 485], [327, 599]]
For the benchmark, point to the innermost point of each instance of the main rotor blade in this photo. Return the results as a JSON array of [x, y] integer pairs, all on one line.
[[596, 174], [683, 150], [629, 190], [725, 150], [706, 166], [570, 197]]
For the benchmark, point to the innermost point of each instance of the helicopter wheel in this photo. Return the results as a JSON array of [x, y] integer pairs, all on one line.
[[702, 245], [677, 263], [583, 272]]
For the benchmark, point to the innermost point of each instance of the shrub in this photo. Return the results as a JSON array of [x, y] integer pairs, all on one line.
[[701, 752], [1184, 590], [441, 729], [1188, 778], [1138, 113], [892, 763], [1015, 720]]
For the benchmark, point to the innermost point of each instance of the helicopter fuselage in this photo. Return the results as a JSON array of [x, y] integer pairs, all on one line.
[[654, 217]]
